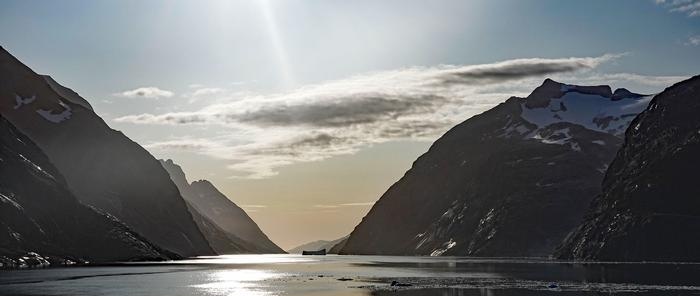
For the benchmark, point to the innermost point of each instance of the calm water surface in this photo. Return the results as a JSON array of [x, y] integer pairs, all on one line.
[[357, 275]]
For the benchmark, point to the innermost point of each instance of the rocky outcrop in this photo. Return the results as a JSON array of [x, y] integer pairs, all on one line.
[[42, 223], [224, 218], [649, 208], [512, 181], [103, 167]]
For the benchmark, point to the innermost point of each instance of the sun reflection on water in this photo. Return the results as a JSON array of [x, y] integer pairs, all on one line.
[[238, 282], [247, 259]]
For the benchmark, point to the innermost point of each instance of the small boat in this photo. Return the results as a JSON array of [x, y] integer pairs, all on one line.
[[319, 252]]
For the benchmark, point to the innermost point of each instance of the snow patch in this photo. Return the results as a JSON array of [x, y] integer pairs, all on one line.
[[599, 142], [35, 166], [594, 112], [423, 240], [19, 101], [558, 137], [446, 246], [56, 117], [14, 234], [6, 199]]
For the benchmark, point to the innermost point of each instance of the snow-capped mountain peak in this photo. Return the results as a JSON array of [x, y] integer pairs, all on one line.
[[593, 107]]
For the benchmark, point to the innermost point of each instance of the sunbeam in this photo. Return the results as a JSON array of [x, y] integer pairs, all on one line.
[[277, 43]]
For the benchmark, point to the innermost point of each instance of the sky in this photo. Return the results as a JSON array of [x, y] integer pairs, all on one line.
[[305, 112]]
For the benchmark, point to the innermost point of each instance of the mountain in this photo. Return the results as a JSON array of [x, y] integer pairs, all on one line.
[[221, 212], [512, 181], [221, 241], [335, 249], [317, 245], [649, 208], [101, 166], [39, 214]]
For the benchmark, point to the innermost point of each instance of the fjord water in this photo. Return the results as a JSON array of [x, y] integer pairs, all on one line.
[[357, 275]]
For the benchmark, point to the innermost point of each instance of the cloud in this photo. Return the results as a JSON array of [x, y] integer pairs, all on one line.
[[182, 144], [523, 68], [358, 204], [254, 206], [690, 8], [693, 40], [200, 92], [260, 133], [150, 92], [631, 81], [354, 204], [369, 98], [208, 91], [326, 206]]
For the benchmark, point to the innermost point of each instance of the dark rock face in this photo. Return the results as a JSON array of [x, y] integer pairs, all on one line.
[[512, 181], [39, 214], [103, 167], [335, 249], [649, 209], [219, 217]]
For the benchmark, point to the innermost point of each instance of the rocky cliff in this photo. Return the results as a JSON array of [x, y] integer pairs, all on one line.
[[649, 208]]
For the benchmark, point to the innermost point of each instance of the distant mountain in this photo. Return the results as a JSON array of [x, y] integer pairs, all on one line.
[[317, 245], [103, 167], [221, 241], [649, 209], [221, 214], [39, 214], [512, 181]]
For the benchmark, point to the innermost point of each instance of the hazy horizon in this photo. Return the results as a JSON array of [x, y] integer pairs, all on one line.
[[304, 113]]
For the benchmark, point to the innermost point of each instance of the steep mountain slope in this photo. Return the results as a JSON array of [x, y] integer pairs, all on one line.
[[103, 167], [39, 214], [221, 241], [512, 181], [335, 249], [649, 209], [316, 245], [221, 211]]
